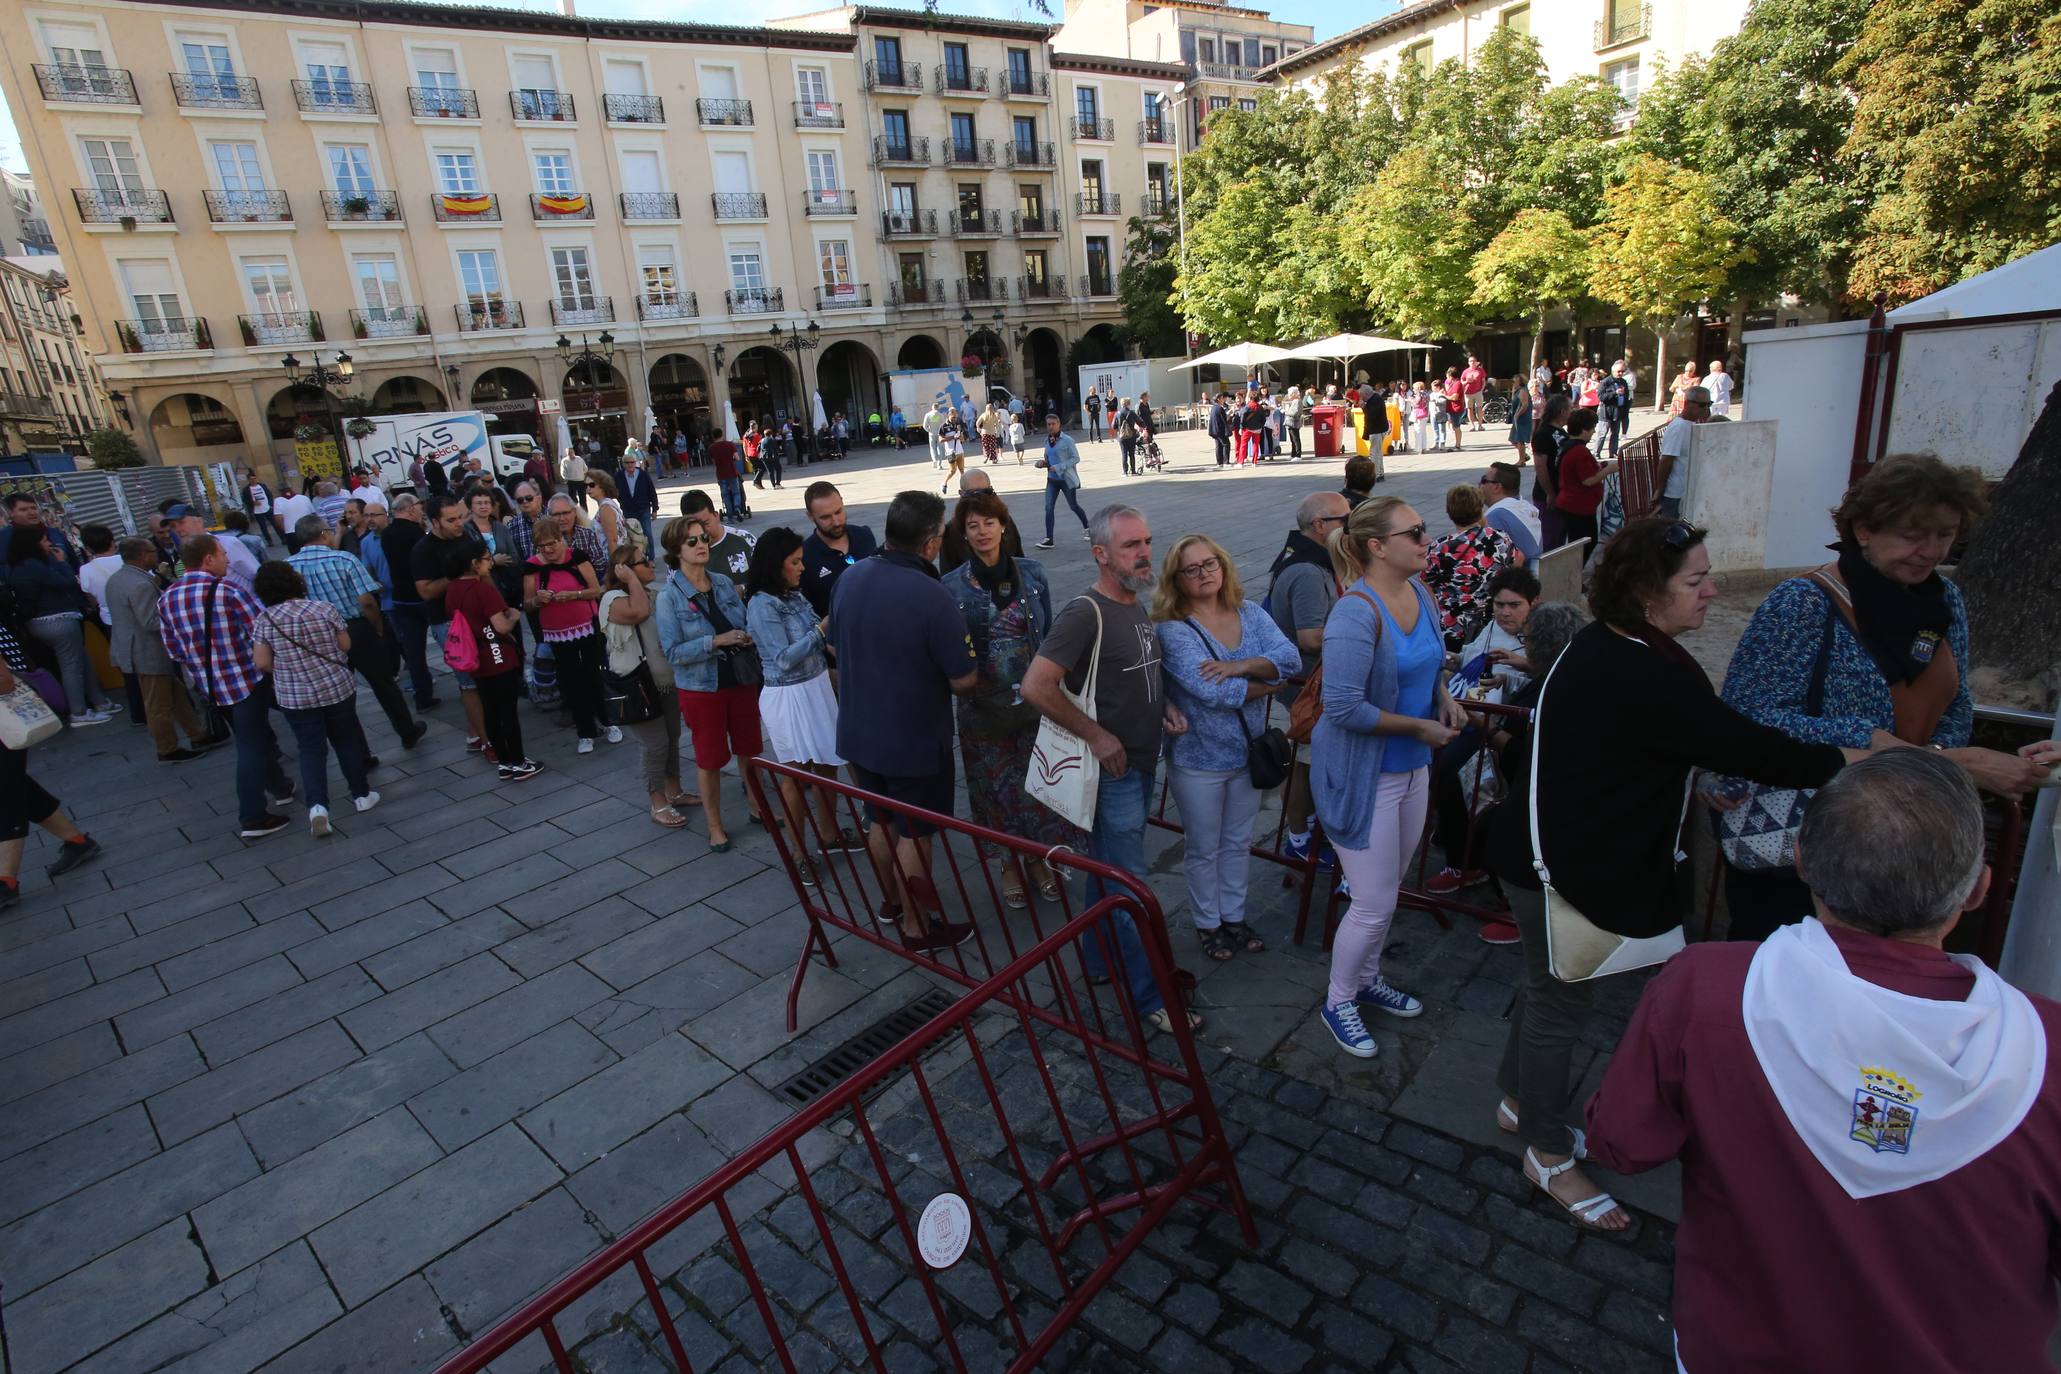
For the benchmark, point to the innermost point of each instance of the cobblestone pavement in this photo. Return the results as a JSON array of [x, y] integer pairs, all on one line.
[[334, 1106]]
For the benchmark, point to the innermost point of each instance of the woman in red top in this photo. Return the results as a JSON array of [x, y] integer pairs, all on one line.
[[1578, 491], [472, 594], [560, 585]]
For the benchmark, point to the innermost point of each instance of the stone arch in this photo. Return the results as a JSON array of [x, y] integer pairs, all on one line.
[[1044, 367], [406, 394], [678, 388], [294, 406], [1099, 345], [761, 385], [507, 396], [920, 350], [195, 423], [848, 375]]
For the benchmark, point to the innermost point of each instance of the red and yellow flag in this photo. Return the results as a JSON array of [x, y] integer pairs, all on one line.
[[466, 205], [563, 205]]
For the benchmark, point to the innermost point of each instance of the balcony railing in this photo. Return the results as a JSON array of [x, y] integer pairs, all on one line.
[[634, 109], [966, 81], [639, 205], [1103, 130], [1621, 24], [893, 76], [22, 404], [114, 206], [361, 207], [1227, 71], [587, 310], [207, 91], [734, 114], [981, 289], [1158, 203], [568, 205], [439, 102], [822, 202], [972, 224], [909, 152], [978, 152], [818, 114], [247, 207], [389, 322], [280, 327], [471, 207], [1034, 223], [902, 224], [544, 107], [169, 334], [1099, 284], [1156, 130], [1097, 203], [677, 306], [844, 297], [1027, 85], [1041, 288], [87, 85], [739, 204], [474, 316], [335, 97], [1032, 154], [906, 296], [753, 300]]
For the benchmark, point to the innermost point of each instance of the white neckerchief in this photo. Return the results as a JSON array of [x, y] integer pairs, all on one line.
[[1887, 1090]]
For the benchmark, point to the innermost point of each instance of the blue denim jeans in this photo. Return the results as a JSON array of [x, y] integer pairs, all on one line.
[[1053, 490], [316, 730], [411, 633], [733, 495], [258, 764], [1118, 840]]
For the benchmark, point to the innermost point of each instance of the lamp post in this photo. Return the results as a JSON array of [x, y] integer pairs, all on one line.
[[799, 341], [1181, 203], [586, 361], [327, 380]]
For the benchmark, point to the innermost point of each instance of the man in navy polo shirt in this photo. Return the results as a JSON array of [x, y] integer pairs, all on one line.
[[832, 546], [902, 654]]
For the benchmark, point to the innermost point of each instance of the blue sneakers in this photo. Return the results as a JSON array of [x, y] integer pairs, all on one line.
[[1379, 994], [1299, 850], [1343, 1020]]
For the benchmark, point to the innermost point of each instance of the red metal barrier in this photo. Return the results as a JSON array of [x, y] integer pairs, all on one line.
[[1148, 1139], [1638, 474]]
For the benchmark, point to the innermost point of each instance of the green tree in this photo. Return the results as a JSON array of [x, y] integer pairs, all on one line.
[[1230, 251], [1661, 245], [1412, 251], [1538, 260], [1146, 289], [112, 448]]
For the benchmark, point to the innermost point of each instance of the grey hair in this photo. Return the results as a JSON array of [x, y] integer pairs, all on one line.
[[1312, 509], [1548, 631], [1099, 523], [1696, 393], [1894, 842], [325, 488], [310, 528], [405, 501]]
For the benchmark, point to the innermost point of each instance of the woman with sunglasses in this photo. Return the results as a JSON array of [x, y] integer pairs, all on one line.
[[1386, 713], [634, 652], [701, 627], [608, 512], [561, 586]]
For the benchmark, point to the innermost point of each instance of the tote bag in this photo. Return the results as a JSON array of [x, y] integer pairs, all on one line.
[[25, 718], [1064, 772], [1577, 949]]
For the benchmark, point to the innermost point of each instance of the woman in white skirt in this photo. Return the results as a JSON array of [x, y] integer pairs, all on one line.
[[796, 706]]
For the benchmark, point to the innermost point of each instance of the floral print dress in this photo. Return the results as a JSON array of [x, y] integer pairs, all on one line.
[[997, 729], [1457, 570]]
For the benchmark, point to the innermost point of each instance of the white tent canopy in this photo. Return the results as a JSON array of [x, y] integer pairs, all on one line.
[[1245, 355], [1349, 346], [2032, 282]]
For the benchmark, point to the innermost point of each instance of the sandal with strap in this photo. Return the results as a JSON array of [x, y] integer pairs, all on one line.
[[1506, 1117], [1589, 1211], [1216, 944], [1165, 1022], [1015, 897], [667, 817], [1242, 934]]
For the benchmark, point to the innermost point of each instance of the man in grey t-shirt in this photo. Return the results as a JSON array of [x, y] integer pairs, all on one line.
[[1674, 450], [1303, 592]]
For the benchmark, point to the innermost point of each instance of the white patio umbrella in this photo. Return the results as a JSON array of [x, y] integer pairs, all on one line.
[[822, 418], [1245, 355], [729, 421], [565, 444], [1346, 347], [650, 419]]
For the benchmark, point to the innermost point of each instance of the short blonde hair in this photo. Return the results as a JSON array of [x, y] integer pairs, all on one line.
[[1170, 600]]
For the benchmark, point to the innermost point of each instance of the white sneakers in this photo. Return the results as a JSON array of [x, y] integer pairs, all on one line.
[[615, 734], [586, 746], [91, 717], [366, 802], [318, 821]]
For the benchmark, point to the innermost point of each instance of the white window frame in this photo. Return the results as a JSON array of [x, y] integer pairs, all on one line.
[[568, 263], [439, 151], [550, 58], [810, 156], [372, 169], [386, 319], [468, 300], [824, 279], [662, 255], [537, 178], [820, 69]]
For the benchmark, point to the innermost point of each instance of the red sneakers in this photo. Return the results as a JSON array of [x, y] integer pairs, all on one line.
[[1448, 880]]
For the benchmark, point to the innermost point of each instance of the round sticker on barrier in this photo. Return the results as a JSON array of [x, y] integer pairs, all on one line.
[[944, 1230]]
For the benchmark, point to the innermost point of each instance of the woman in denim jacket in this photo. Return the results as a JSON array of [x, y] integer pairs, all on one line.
[[701, 627], [1007, 604], [796, 705]]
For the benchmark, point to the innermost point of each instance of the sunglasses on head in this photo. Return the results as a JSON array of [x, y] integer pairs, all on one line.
[[1680, 535]]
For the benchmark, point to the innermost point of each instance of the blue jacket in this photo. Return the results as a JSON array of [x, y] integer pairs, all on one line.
[[783, 628], [1360, 684], [688, 636], [1215, 741], [978, 607], [1062, 462]]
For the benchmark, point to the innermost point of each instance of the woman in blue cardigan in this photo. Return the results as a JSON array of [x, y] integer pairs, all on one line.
[[1386, 713]]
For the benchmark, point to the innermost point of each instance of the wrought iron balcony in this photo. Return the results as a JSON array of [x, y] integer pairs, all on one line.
[[846, 297], [361, 207], [208, 91], [1041, 288], [905, 152], [87, 85], [976, 289], [570, 205], [590, 310], [681, 305], [739, 204], [976, 224], [458, 207], [1226, 71], [634, 109], [909, 224], [439, 102], [1027, 86], [280, 327], [168, 334], [735, 114], [24, 405], [474, 316], [830, 202], [893, 76], [1101, 130], [1622, 24], [389, 322], [247, 207], [1032, 154], [977, 152], [1034, 223], [114, 206], [753, 300], [640, 205], [335, 97], [818, 114], [543, 107], [960, 81], [1158, 202], [920, 295], [1097, 203], [1095, 284], [1159, 130]]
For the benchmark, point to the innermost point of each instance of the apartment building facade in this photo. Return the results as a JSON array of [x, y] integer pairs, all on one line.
[[532, 212], [1222, 50], [51, 393], [24, 229]]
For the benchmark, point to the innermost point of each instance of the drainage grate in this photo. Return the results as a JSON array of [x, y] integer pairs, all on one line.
[[862, 1049]]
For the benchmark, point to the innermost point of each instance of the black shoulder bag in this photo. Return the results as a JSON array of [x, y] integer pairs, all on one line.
[[1268, 755]]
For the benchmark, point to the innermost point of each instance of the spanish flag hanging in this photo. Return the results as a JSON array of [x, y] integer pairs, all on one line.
[[466, 205], [563, 205]]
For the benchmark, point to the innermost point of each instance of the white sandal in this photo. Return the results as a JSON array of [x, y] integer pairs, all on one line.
[[1590, 1211], [1506, 1117]]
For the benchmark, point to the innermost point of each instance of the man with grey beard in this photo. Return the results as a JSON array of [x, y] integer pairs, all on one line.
[[1131, 715]]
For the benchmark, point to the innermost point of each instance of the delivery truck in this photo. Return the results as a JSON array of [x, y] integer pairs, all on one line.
[[397, 442], [913, 390]]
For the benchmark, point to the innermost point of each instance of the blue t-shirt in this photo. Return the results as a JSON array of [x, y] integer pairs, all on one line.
[[1419, 655], [900, 642]]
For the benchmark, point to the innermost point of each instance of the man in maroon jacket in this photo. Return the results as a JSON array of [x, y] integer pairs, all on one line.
[[1866, 1124]]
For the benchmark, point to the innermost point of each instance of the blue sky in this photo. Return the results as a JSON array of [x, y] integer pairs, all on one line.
[[1329, 17]]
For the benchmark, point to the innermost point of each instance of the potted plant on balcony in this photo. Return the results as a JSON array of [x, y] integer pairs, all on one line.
[[311, 433], [357, 205], [359, 427]]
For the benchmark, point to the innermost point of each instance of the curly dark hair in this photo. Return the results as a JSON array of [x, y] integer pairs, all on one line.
[[982, 503], [278, 581], [1903, 484], [774, 548], [1635, 567]]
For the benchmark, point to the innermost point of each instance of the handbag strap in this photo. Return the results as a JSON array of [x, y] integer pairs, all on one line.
[[1239, 710], [1086, 700]]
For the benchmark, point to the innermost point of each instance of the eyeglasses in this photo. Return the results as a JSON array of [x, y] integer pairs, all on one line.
[[693, 540], [1202, 569], [1415, 534], [1329, 519]]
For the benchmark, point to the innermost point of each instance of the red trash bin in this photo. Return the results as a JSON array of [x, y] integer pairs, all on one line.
[[1325, 423]]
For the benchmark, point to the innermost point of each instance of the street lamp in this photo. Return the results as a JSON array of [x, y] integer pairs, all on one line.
[[588, 364], [326, 380], [800, 341], [1181, 201]]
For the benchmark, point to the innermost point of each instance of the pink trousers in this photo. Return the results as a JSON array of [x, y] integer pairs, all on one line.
[[1375, 872]]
